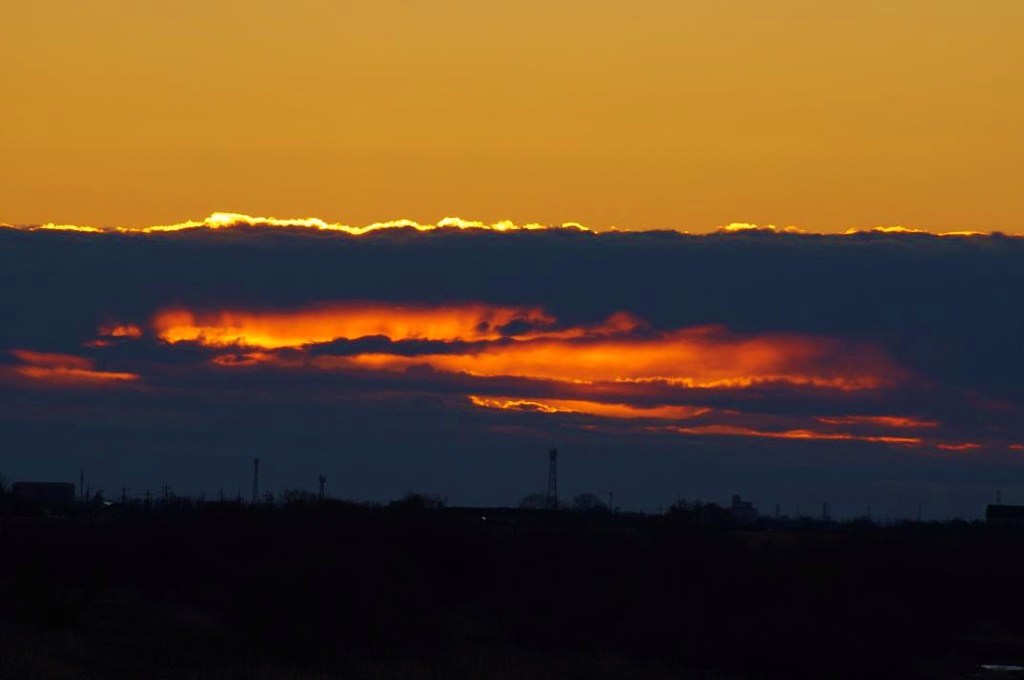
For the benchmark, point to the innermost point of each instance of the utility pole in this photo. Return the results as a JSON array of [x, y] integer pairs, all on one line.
[[255, 481], [323, 482]]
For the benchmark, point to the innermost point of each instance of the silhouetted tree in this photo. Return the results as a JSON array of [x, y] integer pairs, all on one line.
[[588, 502], [418, 501], [297, 497], [701, 513], [534, 501]]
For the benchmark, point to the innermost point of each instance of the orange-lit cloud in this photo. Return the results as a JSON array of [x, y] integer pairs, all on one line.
[[109, 334], [594, 408], [966, 446], [226, 220], [702, 357], [65, 369], [245, 359], [706, 357], [742, 227], [275, 330], [229, 220], [882, 421], [739, 431], [120, 331], [626, 411], [906, 230]]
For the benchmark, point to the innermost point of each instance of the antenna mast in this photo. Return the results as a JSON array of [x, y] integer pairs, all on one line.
[[552, 478]]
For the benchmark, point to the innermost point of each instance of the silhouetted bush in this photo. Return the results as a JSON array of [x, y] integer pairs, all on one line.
[[347, 590]]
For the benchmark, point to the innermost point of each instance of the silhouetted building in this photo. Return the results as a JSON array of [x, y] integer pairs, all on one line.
[[50, 494], [1005, 515], [742, 510]]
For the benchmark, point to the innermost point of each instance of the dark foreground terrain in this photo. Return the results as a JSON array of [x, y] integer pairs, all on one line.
[[337, 590]]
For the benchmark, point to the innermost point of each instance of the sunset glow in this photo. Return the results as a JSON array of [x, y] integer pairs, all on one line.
[[593, 408], [121, 331], [224, 221], [735, 431], [704, 357], [274, 330], [65, 369], [693, 358]]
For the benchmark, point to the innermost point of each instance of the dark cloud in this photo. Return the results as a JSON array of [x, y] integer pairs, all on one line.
[[943, 311]]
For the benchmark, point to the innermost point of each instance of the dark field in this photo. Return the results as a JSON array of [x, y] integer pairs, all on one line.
[[338, 590]]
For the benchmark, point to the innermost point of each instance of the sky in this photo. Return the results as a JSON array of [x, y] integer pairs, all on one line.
[[767, 248], [638, 115]]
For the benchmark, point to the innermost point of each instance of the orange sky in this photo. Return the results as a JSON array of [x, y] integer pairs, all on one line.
[[642, 114]]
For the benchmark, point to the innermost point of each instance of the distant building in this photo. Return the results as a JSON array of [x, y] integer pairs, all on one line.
[[1005, 515], [50, 494], [742, 510]]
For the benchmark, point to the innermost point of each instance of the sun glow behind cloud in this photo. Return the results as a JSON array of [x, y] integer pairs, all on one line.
[[65, 369], [527, 342], [622, 356], [692, 358], [296, 328], [229, 220], [594, 408]]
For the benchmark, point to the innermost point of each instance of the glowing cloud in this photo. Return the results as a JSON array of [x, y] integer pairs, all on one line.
[[594, 408], [225, 220], [65, 369], [704, 357], [882, 421], [738, 431], [121, 331], [274, 330], [965, 446], [229, 220]]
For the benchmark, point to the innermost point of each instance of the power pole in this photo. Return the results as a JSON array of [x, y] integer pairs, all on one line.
[[323, 482], [552, 478], [255, 481]]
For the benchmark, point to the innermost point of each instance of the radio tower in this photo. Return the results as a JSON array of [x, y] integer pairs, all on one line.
[[255, 481], [553, 478], [323, 482]]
